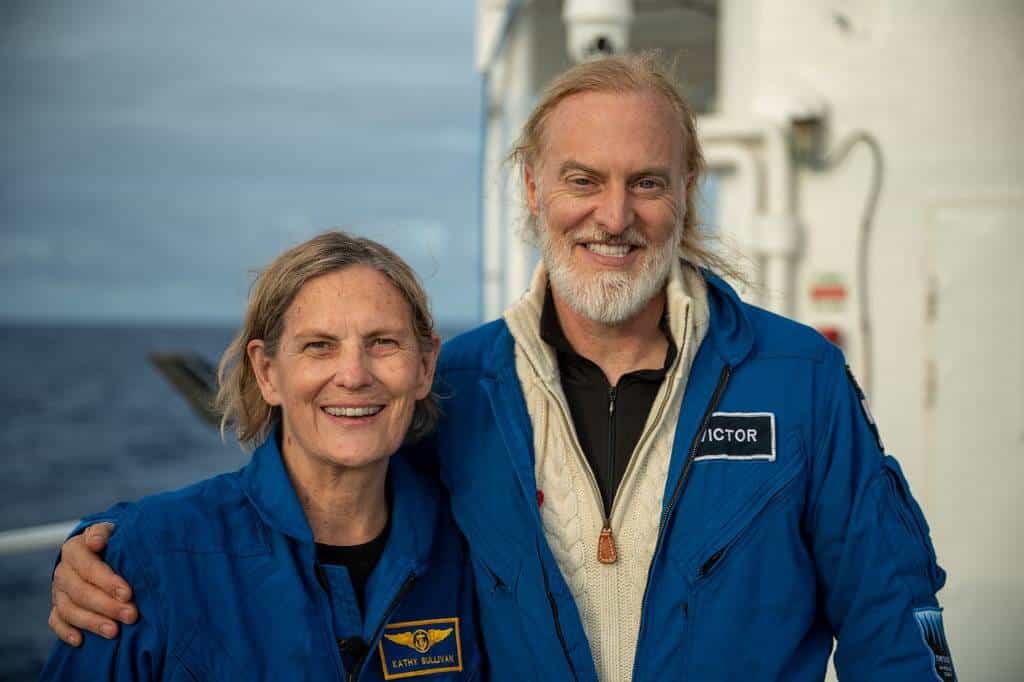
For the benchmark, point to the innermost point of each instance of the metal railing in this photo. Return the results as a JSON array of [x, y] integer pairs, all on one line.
[[35, 537]]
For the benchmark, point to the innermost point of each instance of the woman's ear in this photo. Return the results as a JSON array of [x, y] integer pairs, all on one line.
[[429, 359], [263, 369]]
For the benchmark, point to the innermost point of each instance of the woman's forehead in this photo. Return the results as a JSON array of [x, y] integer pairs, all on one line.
[[358, 296]]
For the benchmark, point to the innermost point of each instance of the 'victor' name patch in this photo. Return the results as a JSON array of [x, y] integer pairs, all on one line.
[[738, 435], [934, 635], [421, 647]]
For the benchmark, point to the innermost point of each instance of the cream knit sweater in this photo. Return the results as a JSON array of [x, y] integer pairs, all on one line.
[[608, 596]]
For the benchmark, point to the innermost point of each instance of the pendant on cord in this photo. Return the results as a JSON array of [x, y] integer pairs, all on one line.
[[606, 553]]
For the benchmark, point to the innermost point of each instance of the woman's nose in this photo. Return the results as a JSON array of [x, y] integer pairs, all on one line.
[[353, 371]]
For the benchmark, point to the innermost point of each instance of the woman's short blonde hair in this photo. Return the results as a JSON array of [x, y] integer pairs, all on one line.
[[239, 400]]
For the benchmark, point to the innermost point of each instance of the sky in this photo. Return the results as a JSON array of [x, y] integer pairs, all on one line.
[[155, 153]]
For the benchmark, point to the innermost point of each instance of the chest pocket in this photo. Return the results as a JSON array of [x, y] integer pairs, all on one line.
[[753, 579]]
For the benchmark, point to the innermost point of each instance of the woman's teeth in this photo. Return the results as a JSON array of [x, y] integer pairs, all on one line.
[[353, 411]]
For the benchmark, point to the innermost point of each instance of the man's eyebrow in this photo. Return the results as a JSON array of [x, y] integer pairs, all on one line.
[[577, 166], [662, 172], [313, 332]]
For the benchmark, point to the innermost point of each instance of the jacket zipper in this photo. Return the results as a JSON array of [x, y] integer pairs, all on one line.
[[716, 397], [723, 379], [558, 624], [404, 590]]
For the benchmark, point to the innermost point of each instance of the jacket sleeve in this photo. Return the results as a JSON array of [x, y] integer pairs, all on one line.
[[875, 560], [137, 653]]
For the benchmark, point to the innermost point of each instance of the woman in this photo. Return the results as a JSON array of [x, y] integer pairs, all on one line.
[[327, 554]]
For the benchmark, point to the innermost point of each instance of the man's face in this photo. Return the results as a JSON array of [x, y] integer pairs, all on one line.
[[608, 193]]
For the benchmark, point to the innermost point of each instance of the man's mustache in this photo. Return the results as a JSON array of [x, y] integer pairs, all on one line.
[[629, 237]]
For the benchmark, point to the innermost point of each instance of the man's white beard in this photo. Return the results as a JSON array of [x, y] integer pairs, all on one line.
[[609, 298]]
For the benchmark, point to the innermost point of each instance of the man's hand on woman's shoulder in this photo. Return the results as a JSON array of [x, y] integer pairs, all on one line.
[[86, 594]]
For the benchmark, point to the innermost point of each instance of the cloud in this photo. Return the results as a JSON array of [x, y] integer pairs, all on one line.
[[163, 149]]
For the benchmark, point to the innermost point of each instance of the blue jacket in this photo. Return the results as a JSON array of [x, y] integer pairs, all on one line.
[[227, 585], [764, 554]]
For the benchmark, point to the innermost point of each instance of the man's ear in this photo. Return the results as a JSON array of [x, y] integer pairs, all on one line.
[[691, 180], [429, 360], [262, 368], [530, 183]]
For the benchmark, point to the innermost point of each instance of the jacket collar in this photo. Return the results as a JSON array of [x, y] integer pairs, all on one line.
[[730, 329], [414, 503]]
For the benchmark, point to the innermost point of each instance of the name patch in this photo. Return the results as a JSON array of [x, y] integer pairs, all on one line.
[[738, 435], [934, 635], [421, 647]]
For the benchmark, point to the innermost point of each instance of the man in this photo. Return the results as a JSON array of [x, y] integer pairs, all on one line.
[[655, 480]]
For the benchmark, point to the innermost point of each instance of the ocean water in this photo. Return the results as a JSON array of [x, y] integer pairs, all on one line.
[[85, 421]]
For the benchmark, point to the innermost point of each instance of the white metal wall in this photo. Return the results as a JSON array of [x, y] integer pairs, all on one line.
[[939, 84]]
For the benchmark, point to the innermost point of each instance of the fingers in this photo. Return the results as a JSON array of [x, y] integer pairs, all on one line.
[[65, 632], [65, 616], [73, 593], [97, 535], [80, 554]]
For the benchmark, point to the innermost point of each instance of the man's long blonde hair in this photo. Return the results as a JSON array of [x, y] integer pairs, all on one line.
[[628, 73]]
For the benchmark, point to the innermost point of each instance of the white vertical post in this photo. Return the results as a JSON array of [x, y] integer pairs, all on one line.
[[493, 194], [519, 95]]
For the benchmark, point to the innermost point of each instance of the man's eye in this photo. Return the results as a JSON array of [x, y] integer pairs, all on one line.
[[579, 181], [383, 344], [317, 346], [648, 184]]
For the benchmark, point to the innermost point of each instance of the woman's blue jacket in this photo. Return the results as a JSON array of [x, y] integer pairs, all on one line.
[[765, 552], [228, 588]]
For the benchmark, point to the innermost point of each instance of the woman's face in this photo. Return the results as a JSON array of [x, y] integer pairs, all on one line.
[[348, 370]]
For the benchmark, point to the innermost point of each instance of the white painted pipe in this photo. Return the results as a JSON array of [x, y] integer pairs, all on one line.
[[741, 162], [36, 537], [777, 236]]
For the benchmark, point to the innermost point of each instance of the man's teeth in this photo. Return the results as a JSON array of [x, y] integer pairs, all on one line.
[[617, 250], [353, 411]]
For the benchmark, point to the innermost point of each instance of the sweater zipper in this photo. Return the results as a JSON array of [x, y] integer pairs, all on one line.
[[716, 397], [606, 552], [404, 590]]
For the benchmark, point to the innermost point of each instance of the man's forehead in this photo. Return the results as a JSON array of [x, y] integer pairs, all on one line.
[[621, 129]]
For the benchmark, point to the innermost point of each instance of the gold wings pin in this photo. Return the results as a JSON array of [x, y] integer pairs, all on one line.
[[420, 640]]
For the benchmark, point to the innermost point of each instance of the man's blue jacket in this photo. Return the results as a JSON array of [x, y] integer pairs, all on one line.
[[228, 588], [764, 554]]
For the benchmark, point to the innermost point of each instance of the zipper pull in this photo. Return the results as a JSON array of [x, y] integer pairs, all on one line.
[[611, 401], [606, 553]]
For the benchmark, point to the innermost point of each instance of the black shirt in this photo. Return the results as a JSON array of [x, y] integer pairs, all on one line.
[[359, 560], [608, 419]]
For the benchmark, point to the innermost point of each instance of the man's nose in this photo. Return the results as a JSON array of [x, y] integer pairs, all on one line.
[[353, 369], [614, 212]]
